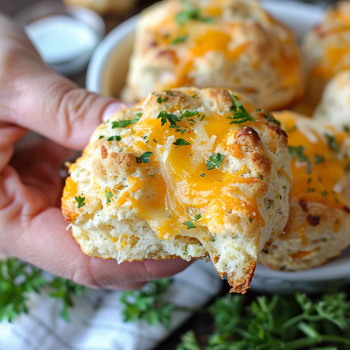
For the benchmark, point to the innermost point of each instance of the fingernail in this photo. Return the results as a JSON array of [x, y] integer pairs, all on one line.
[[114, 108]]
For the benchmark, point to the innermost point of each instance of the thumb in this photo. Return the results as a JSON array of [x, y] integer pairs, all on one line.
[[35, 97]]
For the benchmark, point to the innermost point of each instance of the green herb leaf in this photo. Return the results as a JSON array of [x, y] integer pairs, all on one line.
[[333, 145], [161, 100], [215, 161], [319, 159], [114, 138], [191, 14], [109, 196], [80, 200], [188, 114], [165, 117], [189, 225], [297, 152], [180, 39], [202, 175], [269, 116], [101, 137], [197, 217], [181, 142], [125, 123], [240, 115], [144, 158]]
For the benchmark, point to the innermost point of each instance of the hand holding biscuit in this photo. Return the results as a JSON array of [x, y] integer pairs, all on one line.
[[34, 97]]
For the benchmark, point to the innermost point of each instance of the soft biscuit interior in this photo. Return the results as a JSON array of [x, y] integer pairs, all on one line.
[[319, 217], [185, 173]]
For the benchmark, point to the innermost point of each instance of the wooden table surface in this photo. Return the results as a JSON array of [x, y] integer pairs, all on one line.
[[202, 325]]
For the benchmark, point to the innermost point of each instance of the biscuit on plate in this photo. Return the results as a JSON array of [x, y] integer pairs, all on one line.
[[326, 50], [319, 215], [334, 108], [230, 43], [185, 173]]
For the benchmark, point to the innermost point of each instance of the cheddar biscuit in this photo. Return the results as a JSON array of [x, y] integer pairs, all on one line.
[[185, 173], [231, 43], [334, 108], [319, 216], [326, 50]]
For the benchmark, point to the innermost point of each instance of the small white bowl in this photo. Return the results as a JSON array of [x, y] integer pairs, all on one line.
[[106, 75]]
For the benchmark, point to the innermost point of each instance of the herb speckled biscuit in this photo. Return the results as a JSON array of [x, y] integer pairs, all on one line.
[[319, 215], [185, 173], [229, 43]]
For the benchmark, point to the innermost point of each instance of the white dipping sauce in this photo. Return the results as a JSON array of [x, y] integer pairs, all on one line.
[[61, 38]]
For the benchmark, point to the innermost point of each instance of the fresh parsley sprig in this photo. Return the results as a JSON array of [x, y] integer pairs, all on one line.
[[297, 152], [215, 161], [144, 158], [19, 279], [240, 114], [165, 117], [181, 142], [191, 14], [125, 123]]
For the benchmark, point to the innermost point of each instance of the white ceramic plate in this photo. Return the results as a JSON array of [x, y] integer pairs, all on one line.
[[106, 75]]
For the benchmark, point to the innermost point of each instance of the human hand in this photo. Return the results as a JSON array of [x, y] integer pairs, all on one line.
[[32, 228]]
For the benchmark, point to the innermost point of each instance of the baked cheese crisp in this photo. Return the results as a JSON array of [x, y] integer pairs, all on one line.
[[185, 173]]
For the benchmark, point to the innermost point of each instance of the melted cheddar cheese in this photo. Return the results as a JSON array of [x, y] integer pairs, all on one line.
[[318, 175]]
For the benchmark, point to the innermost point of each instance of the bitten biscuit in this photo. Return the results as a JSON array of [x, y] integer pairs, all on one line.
[[326, 50], [231, 43], [319, 216], [185, 173]]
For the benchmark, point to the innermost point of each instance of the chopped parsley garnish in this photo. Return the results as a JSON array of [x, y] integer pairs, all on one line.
[[240, 114], [168, 117], [178, 129], [202, 175], [155, 140], [212, 238], [80, 200], [319, 159], [297, 152], [125, 123], [180, 39], [269, 116], [181, 142], [101, 137], [195, 96], [145, 138], [324, 193], [144, 158], [161, 100], [250, 220], [215, 161], [346, 128], [347, 168], [169, 93], [189, 225], [188, 114], [202, 117], [309, 180], [191, 14], [197, 217], [109, 196], [114, 138], [333, 145]]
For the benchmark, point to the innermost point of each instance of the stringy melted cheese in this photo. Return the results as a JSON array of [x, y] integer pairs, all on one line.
[[323, 183]]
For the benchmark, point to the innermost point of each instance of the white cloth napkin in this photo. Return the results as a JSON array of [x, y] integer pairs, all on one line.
[[97, 322]]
